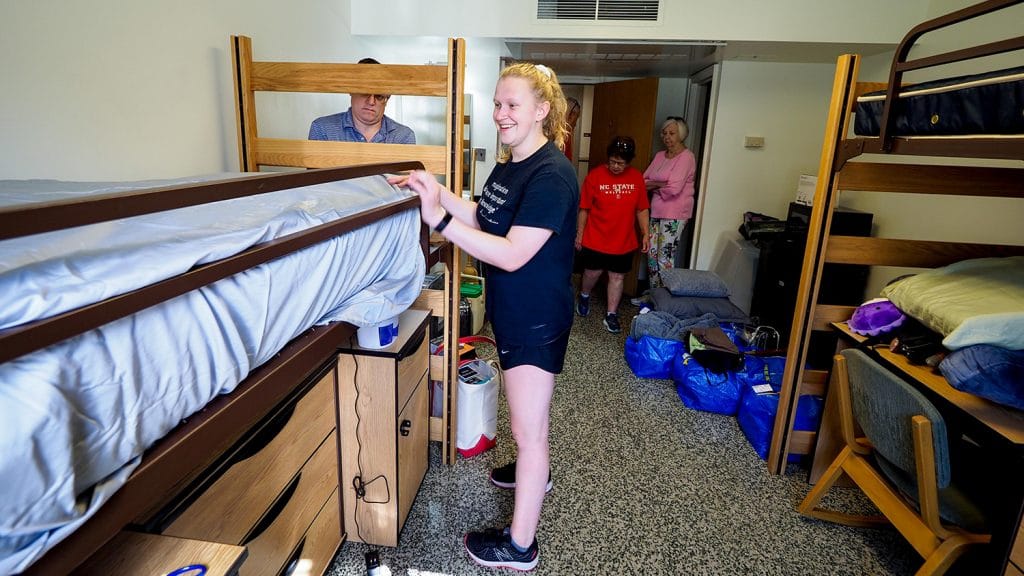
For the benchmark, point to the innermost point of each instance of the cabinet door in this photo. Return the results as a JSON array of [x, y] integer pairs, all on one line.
[[413, 434]]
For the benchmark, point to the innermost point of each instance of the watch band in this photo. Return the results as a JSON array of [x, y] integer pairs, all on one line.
[[444, 222]]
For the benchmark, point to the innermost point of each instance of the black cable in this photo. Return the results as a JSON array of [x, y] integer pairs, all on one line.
[[372, 556]]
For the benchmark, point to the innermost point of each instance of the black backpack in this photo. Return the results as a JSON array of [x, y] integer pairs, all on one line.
[[712, 349]]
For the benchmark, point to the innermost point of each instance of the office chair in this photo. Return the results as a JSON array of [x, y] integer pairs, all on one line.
[[901, 464]]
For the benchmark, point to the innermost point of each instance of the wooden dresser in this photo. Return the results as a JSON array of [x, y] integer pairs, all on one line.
[[276, 491], [383, 411]]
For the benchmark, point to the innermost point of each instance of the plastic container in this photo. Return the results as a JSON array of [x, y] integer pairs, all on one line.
[[378, 336], [472, 289]]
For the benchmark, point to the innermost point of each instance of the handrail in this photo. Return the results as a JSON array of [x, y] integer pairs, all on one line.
[[28, 219], [900, 64]]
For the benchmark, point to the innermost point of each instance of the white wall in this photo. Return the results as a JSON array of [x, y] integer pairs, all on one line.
[[786, 104], [750, 20], [108, 90]]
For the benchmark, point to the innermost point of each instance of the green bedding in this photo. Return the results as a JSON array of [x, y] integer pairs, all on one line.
[[978, 301]]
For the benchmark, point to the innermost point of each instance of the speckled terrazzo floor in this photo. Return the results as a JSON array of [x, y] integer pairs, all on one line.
[[642, 485]]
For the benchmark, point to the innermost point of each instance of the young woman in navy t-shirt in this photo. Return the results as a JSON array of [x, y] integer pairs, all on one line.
[[523, 229]]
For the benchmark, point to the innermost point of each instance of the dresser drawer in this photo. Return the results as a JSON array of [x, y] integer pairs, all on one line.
[[144, 554], [227, 509], [413, 448], [411, 370], [274, 538], [315, 551]]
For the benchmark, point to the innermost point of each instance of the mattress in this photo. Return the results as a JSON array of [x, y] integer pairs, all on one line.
[[78, 415], [982, 104]]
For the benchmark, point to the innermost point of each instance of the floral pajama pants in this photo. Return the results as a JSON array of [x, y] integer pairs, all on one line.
[[664, 240]]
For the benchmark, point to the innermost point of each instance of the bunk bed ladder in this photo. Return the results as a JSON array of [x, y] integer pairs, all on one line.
[[817, 242]]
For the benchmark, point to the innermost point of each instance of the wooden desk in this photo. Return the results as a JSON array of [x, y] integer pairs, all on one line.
[[1005, 421]]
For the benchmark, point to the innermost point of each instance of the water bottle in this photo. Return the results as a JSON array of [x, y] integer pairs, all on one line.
[[372, 563]]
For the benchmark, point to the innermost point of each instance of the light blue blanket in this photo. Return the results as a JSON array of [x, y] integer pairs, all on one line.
[[77, 415]]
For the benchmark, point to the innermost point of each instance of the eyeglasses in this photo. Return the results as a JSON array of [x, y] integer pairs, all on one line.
[[614, 162], [378, 98]]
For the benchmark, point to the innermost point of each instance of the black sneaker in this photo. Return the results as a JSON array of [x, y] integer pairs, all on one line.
[[493, 548], [611, 323], [583, 305], [505, 477]]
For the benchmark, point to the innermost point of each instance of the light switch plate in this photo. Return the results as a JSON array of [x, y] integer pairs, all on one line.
[[753, 141]]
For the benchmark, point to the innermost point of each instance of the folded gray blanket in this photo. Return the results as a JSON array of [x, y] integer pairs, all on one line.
[[666, 326]]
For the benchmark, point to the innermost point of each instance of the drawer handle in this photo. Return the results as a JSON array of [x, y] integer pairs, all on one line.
[[264, 436], [404, 428], [293, 562], [275, 510]]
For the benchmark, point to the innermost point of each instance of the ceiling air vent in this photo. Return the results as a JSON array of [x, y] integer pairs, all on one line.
[[642, 10]]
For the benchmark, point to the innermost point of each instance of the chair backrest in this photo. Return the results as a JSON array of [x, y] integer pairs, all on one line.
[[883, 405]]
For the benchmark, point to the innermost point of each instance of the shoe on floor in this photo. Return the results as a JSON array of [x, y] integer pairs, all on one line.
[[583, 305], [611, 323], [493, 548], [644, 298], [505, 477]]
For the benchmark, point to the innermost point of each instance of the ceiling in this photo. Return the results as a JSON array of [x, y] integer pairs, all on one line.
[[578, 61]]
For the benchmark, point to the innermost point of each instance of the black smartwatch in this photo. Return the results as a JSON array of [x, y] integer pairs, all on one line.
[[444, 222]]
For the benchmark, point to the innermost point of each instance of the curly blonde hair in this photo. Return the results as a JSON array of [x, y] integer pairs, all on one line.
[[546, 89]]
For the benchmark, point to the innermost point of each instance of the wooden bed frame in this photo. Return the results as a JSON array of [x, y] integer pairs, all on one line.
[[441, 81], [837, 173], [184, 453], [181, 457]]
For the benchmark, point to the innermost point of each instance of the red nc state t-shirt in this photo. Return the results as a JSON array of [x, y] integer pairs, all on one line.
[[613, 202]]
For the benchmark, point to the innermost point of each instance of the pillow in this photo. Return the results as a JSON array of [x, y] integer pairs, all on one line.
[[687, 307], [683, 282], [979, 301], [988, 371]]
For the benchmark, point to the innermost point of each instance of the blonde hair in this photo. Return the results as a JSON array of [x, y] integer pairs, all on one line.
[[545, 88]]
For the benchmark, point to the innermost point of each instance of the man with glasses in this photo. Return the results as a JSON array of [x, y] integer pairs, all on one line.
[[364, 121]]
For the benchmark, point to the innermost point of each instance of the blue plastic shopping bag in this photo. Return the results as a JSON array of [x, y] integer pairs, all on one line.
[[702, 389], [650, 357]]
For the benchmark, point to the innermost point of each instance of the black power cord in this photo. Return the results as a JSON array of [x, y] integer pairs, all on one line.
[[371, 557]]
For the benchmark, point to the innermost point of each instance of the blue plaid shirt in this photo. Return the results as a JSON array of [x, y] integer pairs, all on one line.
[[339, 127]]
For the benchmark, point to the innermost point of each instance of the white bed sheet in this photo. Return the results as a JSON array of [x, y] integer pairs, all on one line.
[[77, 415]]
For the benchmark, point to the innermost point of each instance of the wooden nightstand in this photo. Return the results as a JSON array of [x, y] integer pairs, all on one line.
[[384, 423]]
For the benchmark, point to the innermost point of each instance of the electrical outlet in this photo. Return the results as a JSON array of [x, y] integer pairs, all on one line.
[[753, 141]]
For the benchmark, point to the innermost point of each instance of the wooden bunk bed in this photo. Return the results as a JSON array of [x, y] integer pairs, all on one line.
[[229, 438], [441, 81], [205, 440], [845, 166]]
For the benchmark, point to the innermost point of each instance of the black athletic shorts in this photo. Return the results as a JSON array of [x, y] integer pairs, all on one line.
[[549, 356], [594, 260]]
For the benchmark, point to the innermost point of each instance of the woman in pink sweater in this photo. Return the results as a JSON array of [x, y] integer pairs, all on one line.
[[669, 179]]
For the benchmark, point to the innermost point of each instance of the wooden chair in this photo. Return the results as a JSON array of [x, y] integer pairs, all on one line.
[[901, 464]]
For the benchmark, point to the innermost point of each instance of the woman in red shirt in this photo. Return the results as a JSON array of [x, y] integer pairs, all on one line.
[[612, 199]]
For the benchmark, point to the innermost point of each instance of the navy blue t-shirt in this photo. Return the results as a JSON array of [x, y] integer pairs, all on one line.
[[532, 305]]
